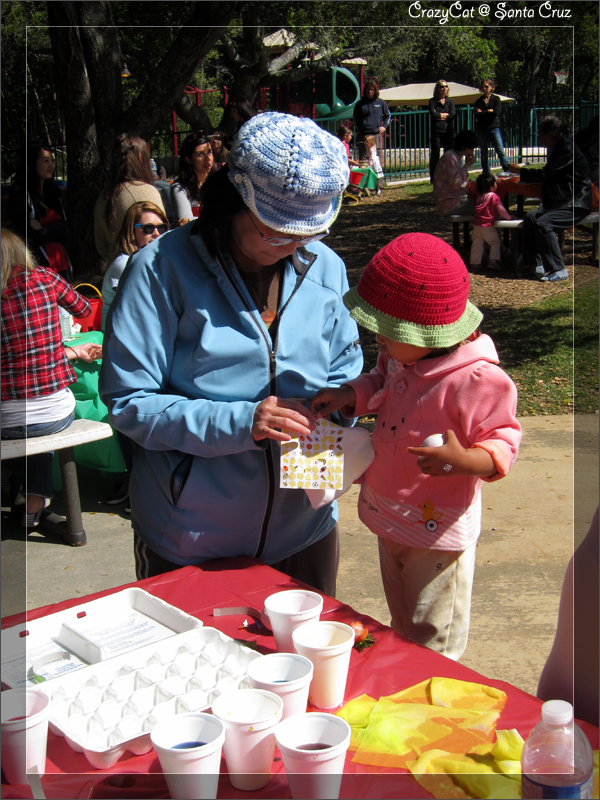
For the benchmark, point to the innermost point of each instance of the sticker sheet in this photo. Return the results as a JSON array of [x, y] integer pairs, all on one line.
[[315, 461]]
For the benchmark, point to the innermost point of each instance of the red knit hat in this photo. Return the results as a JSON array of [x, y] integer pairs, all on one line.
[[415, 290]]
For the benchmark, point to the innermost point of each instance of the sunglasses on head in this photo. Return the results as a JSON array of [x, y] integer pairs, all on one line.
[[148, 228], [199, 136]]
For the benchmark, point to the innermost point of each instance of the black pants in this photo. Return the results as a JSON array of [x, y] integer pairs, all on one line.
[[316, 565], [540, 243], [445, 140]]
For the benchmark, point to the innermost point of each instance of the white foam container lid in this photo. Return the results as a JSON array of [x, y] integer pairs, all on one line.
[[87, 634]]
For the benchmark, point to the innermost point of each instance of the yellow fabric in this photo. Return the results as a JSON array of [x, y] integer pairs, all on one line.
[[443, 731]]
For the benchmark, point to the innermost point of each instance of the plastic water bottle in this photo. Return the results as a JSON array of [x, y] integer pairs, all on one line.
[[153, 168], [65, 322], [557, 760]]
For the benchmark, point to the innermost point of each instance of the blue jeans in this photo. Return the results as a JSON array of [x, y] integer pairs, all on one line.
[[492, 136], [34, 473]]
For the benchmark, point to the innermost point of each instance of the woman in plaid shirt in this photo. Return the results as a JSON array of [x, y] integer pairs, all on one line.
[[35, 368]]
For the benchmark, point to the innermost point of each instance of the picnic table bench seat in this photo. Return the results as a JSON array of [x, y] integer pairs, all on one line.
[[81, 431]]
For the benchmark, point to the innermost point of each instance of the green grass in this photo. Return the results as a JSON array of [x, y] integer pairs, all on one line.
[[535, 344]]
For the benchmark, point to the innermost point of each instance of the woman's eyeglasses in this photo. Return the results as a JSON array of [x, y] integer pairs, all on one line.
[[148, 228], [280, 241]]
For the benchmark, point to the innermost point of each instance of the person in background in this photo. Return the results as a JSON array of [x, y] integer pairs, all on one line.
[[374, 162], [37, 212], [441, 112], [131, 181], [220, 152], [571, 671], [371, 117], [452, 175], [195, 164], [36, 371], [344, 134], [143, 223], [587, 140], [488, 113], [435, 374], [566, 199], [227, 361], [488, 207]]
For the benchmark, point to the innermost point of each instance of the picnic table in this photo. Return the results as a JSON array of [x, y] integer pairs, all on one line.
[[392, 664]]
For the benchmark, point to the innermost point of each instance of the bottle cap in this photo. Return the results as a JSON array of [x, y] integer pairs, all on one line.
[[557, 712]]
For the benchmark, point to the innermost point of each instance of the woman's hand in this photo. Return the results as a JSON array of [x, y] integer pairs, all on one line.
[[453, 459], [33, 223], [444, 115], [326, 401], [183, 221], [469, 160], [275, 418], [514, 168], [85, 352]]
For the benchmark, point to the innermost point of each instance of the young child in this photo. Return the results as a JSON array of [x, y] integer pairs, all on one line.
[[435, 374], [488, 207], [374, 161], [344, 134]]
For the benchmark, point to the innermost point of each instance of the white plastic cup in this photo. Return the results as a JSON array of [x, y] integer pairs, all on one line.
[[287, 675], [24, 729], [312, 771], [286, 611], [249, 717], [328, 645], [191, 772]]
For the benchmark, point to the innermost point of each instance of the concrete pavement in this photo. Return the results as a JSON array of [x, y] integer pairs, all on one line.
[[530, 521]]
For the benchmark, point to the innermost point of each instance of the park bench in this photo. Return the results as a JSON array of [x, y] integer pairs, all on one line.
[[456, 220], [511, 228], [81, 431]]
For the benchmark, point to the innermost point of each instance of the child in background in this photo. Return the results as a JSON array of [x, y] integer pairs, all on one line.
[[344, 134], [488, 207], [435, 373], [374, 161]]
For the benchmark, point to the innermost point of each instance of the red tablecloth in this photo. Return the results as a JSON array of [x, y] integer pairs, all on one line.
[[393, 664], [514, 186]]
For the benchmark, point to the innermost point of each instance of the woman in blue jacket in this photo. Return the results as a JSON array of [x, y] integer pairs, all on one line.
[[242, 320]]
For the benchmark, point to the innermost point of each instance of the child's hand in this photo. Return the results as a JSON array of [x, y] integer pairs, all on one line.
[[453, 459], [326, 401]]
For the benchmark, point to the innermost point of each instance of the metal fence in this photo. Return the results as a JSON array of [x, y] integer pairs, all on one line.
[[406, 151]]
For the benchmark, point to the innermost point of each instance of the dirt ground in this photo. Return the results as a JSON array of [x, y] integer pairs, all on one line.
[[361, 230]]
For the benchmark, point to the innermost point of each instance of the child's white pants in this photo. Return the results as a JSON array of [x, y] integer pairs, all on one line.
[[429, 594], [488, 234]]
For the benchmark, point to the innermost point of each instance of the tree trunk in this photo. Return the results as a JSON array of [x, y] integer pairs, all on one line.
[[84, 168]]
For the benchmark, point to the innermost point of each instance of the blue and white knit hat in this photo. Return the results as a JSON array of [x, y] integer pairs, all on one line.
[[289, 172]]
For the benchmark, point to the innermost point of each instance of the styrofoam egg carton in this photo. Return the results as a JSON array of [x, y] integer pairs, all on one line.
[[110, 707]]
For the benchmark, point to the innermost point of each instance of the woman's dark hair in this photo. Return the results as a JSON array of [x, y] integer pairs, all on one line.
[[366, 87], [490, 81], [129, 162], [187, 177], [465, 140], [342, 131], [221, 201], [27, 178], [484, 182], [552, 126]]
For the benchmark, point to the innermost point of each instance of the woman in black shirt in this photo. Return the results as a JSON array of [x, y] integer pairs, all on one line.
[[442, 113], [488, 110]]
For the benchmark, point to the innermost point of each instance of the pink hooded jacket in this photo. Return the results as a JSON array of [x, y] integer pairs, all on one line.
[[465, 391]]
